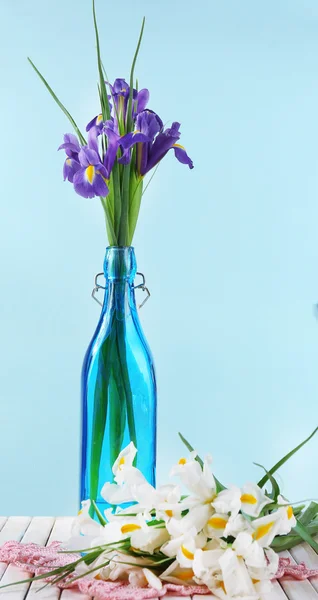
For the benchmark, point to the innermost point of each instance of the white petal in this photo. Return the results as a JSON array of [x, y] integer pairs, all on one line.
[[125, 458], [253, 499], [236, 577], [152, 579], [228, 501]]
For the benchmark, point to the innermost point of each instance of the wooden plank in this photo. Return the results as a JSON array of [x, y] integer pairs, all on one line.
[[13, 529], [60, 533], [304, 553], [276, 593], [172, 597], [297, 590], [38, 533], [3, 520]]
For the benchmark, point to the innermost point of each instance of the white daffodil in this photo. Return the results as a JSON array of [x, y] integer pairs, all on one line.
[[266, 528], [206, 567], [148, 537], [237, 581], [216, 525], [261, 564], [178, 575], [228, 501], [200, 482], [184, 546], [124, 459], [196, 518], [288, 519], [253, 499], [122, 491], [237, 524], [84, 530]]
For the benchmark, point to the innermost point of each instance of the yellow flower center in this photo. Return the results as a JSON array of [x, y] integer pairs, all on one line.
[[99, 119], [121, 462], [262, 530], [290, 513], [90, 172], [178, 146], [255, 581], [217, 523], [68, 161], [185, 575], [187, 553], [129, 528], [248, 499], [182, 461], [169, 513], [222, 586], [80, 512]]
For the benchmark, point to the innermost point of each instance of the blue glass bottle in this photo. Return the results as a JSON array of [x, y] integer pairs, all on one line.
[[118, 383]]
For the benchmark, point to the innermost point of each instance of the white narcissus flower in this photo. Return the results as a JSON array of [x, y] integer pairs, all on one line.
[[200, 483], [178, 575], [288, 518], [237, 524], [237, 581], [216, 525], [206, 567], [266, 528], [184, 546], [84, 530], [228, 501], [253, 499]]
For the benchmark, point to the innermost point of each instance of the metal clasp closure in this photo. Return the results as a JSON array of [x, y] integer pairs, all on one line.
[[141, 286], [97, 288]]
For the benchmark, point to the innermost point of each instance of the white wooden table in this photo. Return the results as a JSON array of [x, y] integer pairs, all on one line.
[[43, 530]]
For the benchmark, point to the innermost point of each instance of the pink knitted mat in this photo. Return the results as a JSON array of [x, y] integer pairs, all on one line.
[[39, 560]]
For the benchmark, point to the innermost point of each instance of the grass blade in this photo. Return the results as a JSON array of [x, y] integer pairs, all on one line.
[[264, 479], [104, 103], [59, 103], [100, 517], [303, 532], [275, 487], [310, 514]]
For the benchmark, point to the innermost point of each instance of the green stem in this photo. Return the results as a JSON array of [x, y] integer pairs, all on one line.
[[100, 413], [121, 349], [117, 409]]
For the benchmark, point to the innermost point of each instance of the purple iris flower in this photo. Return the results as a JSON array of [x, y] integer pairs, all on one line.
[[96, 122], [153, 142], [113, 137], [120, 94], [89, 180], [72, 148], [164, 141]]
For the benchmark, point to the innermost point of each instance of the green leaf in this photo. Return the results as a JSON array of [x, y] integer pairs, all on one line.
[[309, 514], [124, 234], [264, 479], [275, 487], [100, 517], [304, 533], [59, 103], [219, 485], [104, 97]]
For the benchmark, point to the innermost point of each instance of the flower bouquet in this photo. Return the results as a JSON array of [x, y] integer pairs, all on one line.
[[214, 539], [122, 144]]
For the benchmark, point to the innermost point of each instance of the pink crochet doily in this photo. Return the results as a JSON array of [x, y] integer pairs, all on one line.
[[39, 560]]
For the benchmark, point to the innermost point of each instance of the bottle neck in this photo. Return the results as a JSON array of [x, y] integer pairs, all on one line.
[[120, 270]]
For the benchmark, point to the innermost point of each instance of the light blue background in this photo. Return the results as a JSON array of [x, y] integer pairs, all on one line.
[[229, 249]]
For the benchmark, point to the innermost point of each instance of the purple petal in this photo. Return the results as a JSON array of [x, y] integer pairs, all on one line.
[[142, 100], [70, 167], [162, 144], [88, 183], [182, 156], [96, 122], [87, 157]]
